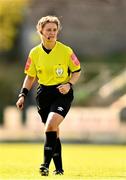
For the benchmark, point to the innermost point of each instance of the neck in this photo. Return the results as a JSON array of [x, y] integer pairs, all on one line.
[[48, 44]]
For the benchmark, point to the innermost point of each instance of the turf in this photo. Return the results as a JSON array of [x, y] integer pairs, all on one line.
[[81, 162]]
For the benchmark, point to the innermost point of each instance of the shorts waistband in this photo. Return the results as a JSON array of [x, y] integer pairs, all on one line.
[[48, 86]]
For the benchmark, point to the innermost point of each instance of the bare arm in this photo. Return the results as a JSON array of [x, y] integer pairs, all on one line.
[[64, 88], [74, 78], [28, 82]]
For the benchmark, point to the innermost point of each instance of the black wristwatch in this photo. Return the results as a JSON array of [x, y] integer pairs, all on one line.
[[70, 84], [23, 92]]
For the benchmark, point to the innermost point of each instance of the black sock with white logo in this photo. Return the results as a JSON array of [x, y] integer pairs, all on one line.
[[57, 156], [49, 147]]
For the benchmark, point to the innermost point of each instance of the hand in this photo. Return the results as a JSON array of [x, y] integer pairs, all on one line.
[[64, 88], [20, 103]]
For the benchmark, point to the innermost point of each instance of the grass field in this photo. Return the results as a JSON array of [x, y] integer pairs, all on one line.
[[81, 162]]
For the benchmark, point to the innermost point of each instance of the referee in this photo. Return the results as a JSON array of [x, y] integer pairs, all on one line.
[[57, 69]]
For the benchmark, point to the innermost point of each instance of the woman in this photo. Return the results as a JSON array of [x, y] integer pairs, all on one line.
[[57, 69]]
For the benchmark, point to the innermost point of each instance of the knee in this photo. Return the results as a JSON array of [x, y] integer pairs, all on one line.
[[50, 127]]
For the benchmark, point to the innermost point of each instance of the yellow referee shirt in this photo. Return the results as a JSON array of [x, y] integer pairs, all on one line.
[[52, 68]]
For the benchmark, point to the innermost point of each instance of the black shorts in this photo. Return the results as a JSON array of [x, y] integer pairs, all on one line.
[[49, 99]]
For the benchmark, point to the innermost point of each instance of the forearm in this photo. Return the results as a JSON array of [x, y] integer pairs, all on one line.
[[74, 77], [28, 82]]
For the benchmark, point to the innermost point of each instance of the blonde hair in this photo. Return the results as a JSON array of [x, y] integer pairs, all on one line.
[[48, 19]]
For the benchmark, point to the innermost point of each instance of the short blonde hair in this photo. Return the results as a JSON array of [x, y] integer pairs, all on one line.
[[48, 19]]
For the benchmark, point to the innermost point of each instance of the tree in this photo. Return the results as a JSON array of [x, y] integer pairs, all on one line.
[[11, 16]]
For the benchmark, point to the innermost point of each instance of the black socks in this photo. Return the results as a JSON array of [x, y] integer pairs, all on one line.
[[52, 149], [57, 156], [49, 147]]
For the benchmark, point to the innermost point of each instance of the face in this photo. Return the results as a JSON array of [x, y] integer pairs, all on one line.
[[50, 31]]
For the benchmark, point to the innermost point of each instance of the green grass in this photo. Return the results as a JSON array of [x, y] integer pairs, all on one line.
[[81, 162]]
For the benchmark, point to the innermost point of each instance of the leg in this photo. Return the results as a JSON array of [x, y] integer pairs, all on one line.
[[53, 121], [61, 107], [57, 156]]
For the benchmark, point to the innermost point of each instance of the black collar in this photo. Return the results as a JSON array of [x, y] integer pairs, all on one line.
[[46, 50]]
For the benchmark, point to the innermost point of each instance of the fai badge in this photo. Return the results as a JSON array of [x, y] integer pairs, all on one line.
[[59, 71]]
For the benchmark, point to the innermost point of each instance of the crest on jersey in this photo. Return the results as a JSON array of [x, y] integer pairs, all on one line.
[[59, 71]]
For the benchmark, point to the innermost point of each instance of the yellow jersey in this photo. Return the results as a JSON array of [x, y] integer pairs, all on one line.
[[53, 68]]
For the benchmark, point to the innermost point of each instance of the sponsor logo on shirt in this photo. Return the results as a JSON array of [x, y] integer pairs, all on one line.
[[39, 71], [74, 59]]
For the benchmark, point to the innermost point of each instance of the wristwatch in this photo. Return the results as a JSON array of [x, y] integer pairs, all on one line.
[[70, 84]]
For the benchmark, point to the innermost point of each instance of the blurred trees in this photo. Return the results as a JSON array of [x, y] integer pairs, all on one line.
[[11, 16]]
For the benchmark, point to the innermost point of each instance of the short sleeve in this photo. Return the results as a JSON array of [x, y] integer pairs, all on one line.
[[30, 66], [74, 63]]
